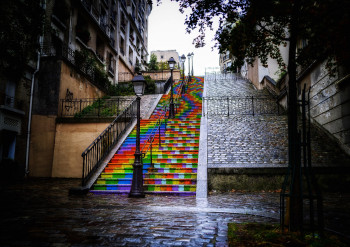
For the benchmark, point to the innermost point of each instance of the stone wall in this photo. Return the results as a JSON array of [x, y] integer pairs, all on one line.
[[71, 139], [56, 78], [162, 75], [330, 103]]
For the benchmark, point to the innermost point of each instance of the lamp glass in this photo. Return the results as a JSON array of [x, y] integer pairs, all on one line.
[[171, 63], [183, 58], [139, 85]]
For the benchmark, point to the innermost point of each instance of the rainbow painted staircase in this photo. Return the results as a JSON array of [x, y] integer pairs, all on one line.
[[174, 163]]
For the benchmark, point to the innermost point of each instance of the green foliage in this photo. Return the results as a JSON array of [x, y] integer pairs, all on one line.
[[121, 89], [99, 108], [127, 88], [150, 85], [153, 64], [21, 24], [258, 234], [163, 65], [255, 28], [86, 62]]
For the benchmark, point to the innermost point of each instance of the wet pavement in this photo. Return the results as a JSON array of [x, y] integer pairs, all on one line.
[[40, 212]]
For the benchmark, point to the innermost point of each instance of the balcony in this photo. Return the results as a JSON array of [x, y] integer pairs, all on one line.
[[111, 70], [113, 17], [112, 42], [10, 113]]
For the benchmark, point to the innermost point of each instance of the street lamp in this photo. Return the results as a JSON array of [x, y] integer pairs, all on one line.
[[171, 63], [137, 177], [183, 59], [192, 55]]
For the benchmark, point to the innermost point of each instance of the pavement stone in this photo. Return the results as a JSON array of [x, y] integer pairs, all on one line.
[[242, 140], [39, 212]]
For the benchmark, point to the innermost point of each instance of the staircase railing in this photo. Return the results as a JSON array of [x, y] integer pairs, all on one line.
[[167, 84], [148, 146], [101, 146], [93, 107], [239, 105], [178, 95]]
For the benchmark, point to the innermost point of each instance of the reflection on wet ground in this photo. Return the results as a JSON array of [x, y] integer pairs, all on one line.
[[41, 213]]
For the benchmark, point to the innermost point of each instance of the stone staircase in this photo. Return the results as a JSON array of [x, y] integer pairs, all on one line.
[[173, 169]]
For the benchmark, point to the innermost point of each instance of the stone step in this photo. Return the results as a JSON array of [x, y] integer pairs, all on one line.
[[169, 181], [171, 175], [172, 170], [169, 188]]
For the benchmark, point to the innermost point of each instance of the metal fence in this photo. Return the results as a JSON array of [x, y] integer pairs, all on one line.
[[232, 105], [85, 108], [213, 76], [101, 146]]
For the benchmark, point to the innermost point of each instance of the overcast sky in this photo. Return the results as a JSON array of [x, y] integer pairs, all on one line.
[[167, 31]]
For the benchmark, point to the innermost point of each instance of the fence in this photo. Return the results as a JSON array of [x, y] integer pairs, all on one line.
[[234, 105], [93, 107], [213, 76], [101, 146], [10, 101]]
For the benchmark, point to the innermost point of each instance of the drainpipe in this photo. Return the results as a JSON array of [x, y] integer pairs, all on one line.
[[30, 113], [41, 38]]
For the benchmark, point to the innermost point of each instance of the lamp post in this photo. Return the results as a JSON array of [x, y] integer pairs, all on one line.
[[183, 59], [192, 55], [137, 177], [171, 63], [189, 66]]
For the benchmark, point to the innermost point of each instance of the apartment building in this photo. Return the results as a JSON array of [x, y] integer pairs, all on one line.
[[87, 45]]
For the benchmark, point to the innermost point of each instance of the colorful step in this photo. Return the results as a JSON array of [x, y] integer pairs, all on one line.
[[173, 169]]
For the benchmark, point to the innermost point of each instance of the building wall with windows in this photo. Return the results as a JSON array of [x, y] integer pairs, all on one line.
[[89, 44], [225, 61], [164, 56]]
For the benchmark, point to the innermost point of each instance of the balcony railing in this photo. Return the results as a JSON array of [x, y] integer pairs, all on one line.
[[10, 101], [93, 108], [102, 145], [63, 51], [237, 105]]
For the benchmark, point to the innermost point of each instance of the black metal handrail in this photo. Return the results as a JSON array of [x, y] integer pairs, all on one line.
[[82, 108], [167, 84], [240, 105], [148, 145], [101, 146], [178, 95]]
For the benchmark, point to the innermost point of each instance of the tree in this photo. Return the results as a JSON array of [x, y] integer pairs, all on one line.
[[153, 64], [21, 24], [257, 28]]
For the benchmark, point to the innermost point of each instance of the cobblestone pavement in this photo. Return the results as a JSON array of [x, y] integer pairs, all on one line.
[[244, 140], [40, 212]]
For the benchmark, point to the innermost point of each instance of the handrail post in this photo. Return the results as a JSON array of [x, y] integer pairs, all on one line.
[[228, 107], [151, 153], [160, 125], [62, 107], [83, 174]]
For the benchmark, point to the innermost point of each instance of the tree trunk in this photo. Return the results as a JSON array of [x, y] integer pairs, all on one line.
[[296, 203]]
